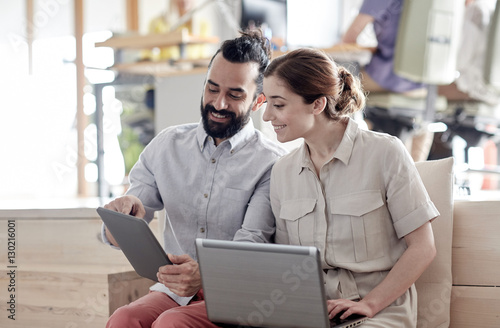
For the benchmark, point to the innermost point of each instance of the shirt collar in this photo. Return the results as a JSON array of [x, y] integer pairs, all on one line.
[[236, 142], [343, 152]]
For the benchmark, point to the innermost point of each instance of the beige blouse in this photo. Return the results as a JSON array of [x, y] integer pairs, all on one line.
[[356, 212]]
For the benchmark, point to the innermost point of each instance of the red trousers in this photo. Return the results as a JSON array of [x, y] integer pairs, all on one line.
[[158, 310]]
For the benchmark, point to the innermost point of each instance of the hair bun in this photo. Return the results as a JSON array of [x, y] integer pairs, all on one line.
[[351, 96], [343, 75]]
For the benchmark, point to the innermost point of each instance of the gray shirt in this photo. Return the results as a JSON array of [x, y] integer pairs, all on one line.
[[207, 191]]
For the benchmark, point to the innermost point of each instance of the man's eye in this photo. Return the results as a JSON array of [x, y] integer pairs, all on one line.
[[235, 97], [212, 90]]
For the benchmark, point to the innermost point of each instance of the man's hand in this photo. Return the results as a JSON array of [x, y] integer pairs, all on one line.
[[126, 205], [182, 278]]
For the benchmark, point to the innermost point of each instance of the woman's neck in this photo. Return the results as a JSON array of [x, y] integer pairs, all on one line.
[[323, 143]]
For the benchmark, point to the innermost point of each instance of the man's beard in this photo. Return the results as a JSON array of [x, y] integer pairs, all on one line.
[[223, 130]]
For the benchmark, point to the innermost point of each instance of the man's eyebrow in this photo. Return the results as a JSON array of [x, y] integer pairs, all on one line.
[[238, 90], [212, 83], [232, 89]]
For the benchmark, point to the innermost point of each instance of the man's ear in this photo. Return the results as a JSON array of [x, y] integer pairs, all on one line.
[[319, 105], [261, 99]]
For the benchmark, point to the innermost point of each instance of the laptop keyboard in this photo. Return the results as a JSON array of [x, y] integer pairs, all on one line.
[[353, 317]]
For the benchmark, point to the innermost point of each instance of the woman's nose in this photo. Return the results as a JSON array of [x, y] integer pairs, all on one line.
[[267, 113]]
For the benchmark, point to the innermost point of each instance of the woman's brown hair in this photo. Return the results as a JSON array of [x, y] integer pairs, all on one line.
[[312, 74]]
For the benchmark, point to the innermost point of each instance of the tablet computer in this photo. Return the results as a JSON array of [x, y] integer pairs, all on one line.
[[137, 242]]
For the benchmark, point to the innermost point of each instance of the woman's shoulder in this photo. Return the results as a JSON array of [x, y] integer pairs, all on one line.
[[380, 147], [379, 139]]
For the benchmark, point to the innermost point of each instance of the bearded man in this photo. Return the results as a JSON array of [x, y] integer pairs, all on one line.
[[212, 178]]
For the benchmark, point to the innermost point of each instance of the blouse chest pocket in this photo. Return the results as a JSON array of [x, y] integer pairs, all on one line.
[[298, 217], [358, 224]]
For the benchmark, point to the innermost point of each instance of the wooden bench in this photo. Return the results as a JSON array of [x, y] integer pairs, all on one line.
[[64, 275], [69, 295]]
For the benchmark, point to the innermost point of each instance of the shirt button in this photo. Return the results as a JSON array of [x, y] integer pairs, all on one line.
[[213, 160], [205, 195], [202, 230]]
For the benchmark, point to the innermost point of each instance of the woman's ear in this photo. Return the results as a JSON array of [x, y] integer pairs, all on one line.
[[261, 99], [319, 105]]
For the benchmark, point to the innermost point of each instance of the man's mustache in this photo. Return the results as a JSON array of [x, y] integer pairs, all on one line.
[[210, 108]]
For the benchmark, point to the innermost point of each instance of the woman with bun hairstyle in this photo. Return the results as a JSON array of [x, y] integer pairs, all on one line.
[[354, 194]]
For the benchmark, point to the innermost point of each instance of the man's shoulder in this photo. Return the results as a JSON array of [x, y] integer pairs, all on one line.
[[177, 131], [289, 159], [171, 135]]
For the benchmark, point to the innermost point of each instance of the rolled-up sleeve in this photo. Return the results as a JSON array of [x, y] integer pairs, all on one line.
[[408, 201]]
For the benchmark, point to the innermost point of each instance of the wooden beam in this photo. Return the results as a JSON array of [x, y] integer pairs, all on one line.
[[132, 15], [30, 33], [81, 118]]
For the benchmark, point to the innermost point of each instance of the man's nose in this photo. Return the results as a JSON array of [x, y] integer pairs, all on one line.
[[220, 102]]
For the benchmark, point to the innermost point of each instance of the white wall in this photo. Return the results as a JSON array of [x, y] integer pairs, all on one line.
[[314, 23], [178, 99]]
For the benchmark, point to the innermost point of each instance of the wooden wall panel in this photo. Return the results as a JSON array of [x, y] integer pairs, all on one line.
[[477, 307], [63, 241], [476, 243]]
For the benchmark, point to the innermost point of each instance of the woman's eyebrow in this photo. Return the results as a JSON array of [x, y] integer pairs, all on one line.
[[276, 97]]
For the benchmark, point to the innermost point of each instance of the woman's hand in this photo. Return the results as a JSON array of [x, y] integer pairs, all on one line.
[[347, 308]]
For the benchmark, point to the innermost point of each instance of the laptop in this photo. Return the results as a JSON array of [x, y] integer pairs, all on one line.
[[264, 285], [137, 242]]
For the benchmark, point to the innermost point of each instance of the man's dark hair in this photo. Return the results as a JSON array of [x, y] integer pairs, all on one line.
[[251, 46]]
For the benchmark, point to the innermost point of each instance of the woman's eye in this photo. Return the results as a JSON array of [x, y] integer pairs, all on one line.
[[277, 106]]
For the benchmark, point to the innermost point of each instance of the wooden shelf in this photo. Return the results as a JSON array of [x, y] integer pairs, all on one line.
[[162, 69], [345, 48], [348, 47], [138, 41]]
